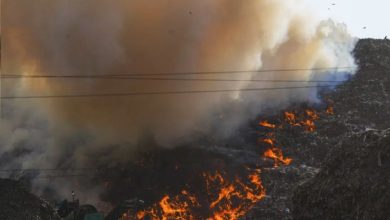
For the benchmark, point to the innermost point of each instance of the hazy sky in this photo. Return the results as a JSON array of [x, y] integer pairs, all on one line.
[[357, 14]]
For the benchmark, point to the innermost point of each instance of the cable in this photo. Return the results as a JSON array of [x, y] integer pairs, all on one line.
[[187, 79], [162, 93], [47, 169], [175, 73], [63, 176]]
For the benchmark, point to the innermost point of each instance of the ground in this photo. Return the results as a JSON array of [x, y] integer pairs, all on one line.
[[349, 185], [17, 203]]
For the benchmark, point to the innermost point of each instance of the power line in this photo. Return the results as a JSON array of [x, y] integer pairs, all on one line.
[[175, 73], [56, 174], [184, 79], [63, 176], [162, 92], [53, 175], [56, 169], [46, 169]]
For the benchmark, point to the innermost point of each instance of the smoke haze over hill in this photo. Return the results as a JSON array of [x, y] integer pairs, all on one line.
[[101, 37]]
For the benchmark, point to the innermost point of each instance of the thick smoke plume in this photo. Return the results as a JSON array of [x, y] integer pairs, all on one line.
[[102, 37]]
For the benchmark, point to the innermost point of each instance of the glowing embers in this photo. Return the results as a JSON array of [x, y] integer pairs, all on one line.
[[275, 153], [291, 118], [305, 120], [234, 198], [330, 110], [267, 124], [169, 208], [177, 207], [225, 199], [218, 195]]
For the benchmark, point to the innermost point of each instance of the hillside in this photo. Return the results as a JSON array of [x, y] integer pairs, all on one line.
[[340, 168], [17, 203], [354, 180]]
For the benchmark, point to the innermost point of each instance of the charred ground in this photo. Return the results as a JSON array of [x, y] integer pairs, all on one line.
[[16, 202], [355, 174], [346, 175]]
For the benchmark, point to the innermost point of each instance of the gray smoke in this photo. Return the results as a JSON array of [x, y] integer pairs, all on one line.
[[102, 37]]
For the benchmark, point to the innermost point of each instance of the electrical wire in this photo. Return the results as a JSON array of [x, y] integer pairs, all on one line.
[[162, 92], [175, 73]]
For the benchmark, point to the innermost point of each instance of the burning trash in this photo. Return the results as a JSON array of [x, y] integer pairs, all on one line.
[[148, 101], [266, 124], [222, 198]]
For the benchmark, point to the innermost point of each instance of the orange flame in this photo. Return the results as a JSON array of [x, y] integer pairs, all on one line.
[[269, 141], [312, 114], [247, 194], [229, 199], [277, 155], [267, 124], [170, 208], [225, 193], [173, 209], [291, 118], [141, 214], [309, 125], [330, 110], [233, 199]]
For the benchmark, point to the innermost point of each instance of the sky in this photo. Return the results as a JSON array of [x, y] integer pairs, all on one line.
[[356, 14]]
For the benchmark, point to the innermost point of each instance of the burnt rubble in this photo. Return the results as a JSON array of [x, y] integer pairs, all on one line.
[[355, 176], [353, 183], [17, 203], [361, 105], [354, 179]]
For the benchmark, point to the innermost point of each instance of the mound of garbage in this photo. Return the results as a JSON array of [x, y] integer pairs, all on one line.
[[354, 182], [17, 203]]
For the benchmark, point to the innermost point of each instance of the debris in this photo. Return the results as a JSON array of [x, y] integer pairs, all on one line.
[[17, 203], [350, 178]]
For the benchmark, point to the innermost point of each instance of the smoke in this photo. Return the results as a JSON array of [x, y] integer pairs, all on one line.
[[102, 37]]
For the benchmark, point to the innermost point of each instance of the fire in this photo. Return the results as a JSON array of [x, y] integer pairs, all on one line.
[[309, 125], [330, 110], [228, 199], [236, 199], [217, 177], [177, 207], [267, 124], [277, 155], [141, 214], [291, 118], [308, 121], [269, 141], [225, 193], [173, 209], [312, 114]]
